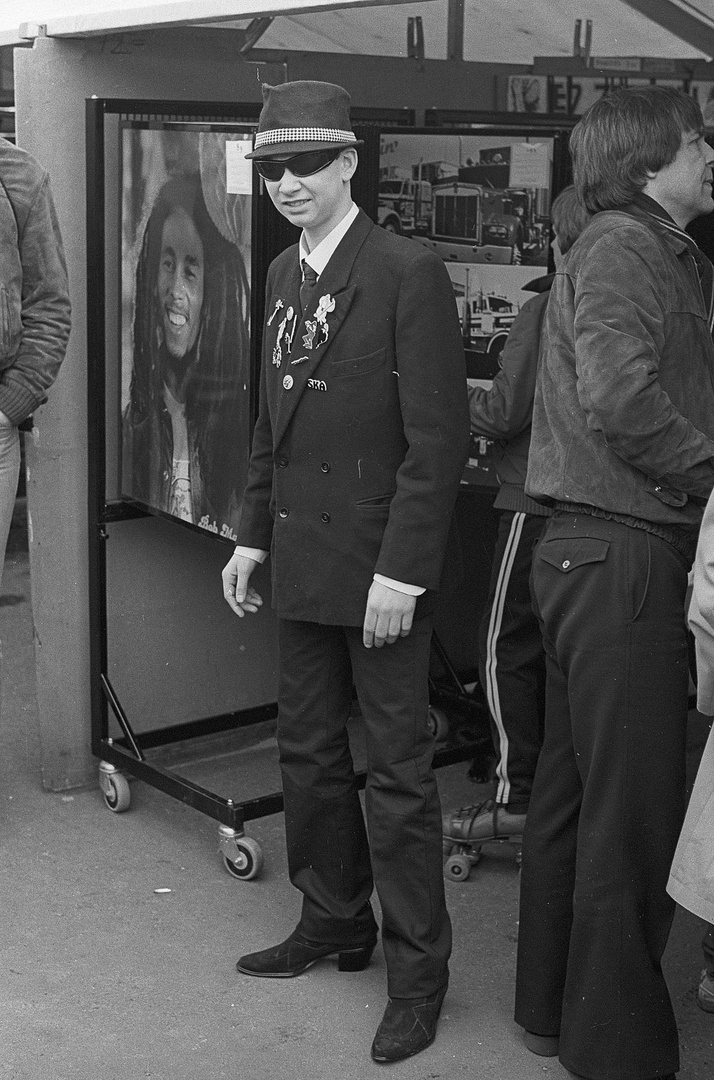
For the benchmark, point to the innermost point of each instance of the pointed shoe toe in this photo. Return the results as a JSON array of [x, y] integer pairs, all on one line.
[[295, 955], [407, 1027]]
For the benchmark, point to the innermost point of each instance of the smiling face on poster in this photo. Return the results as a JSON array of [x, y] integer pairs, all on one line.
[[186, 213]]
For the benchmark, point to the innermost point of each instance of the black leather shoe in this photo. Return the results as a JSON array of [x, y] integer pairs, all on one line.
[[295, 955], [408, 1026]]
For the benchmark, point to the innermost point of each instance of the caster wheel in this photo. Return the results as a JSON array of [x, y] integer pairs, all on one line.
[[117, 794], [438, 724], [457, 868], [246, 858]]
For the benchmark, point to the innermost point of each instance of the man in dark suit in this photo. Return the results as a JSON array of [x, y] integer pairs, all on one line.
[[357, 455]]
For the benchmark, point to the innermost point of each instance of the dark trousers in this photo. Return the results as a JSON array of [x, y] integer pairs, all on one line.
[[512, 661], [708, 949], [330, 859], [608, 799]]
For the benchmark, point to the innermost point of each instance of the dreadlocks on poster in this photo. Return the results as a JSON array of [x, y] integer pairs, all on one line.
[[185, 326]]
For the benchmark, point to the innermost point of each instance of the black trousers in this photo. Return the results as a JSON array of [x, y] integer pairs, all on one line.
[[608, 799], [512, 661], [708, 949], [330, 859]]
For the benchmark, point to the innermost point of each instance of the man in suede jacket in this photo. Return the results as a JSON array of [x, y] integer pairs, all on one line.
[[622, 450], [34, 308]]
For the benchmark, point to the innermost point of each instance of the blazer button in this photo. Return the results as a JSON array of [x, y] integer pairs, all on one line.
[[283, 512], [325, 517], [325, 466], [282, 463]]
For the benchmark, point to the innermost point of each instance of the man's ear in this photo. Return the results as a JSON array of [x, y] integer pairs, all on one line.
[[348, 163]]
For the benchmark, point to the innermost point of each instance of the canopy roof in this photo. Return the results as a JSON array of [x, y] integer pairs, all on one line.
[[511, 31]]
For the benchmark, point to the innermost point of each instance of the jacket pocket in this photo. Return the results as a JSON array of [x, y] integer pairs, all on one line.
[[359, 365], [567, 554], [377, 502]]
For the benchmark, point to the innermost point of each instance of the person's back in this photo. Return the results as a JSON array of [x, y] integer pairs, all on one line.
[[590, 443]]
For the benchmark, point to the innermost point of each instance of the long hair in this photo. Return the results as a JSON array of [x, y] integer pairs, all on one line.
[[624, 137], [219, 369], [569, 217]]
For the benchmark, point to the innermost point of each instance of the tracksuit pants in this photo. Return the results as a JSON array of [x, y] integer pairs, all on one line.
[[512, 661]]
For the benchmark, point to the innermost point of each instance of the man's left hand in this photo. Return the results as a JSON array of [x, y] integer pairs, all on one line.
[[388, 617]]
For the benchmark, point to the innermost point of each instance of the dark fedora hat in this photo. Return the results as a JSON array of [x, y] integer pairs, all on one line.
[[303, 115]]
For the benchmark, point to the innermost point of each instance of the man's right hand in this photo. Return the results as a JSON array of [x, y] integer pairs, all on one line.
[[238, 593]]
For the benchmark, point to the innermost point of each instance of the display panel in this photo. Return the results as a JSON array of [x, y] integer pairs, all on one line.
[[186, 211], [482, 202]]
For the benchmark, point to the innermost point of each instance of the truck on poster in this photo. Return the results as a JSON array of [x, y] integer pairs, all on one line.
[[486, 320], [405, 205], [473, 223]]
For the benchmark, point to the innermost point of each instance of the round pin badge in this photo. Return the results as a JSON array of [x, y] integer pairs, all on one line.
[[287, 382]]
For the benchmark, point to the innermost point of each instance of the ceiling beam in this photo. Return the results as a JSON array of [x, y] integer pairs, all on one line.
[[688, 25], [168, 13]]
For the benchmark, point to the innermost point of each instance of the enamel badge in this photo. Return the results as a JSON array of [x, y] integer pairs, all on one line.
[[278, 305], [309, 337], [325, 305], [278, 347], [285, 334]]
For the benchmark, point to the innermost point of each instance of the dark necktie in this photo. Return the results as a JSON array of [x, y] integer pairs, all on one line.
[[309, 281]]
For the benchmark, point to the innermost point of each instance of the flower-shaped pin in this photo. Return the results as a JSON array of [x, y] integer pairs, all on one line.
[[324, 307]]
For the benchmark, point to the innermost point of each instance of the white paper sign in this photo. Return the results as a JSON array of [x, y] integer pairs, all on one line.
[[530, 166], [239, 171]]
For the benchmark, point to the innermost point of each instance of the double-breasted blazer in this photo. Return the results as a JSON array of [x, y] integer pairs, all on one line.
[[363, 427]]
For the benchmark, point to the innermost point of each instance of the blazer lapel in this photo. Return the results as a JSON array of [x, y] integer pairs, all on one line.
[[320, 323]]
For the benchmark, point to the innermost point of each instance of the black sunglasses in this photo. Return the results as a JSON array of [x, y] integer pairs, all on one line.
[[306, 164]]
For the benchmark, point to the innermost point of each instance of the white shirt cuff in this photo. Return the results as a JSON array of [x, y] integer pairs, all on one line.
[[256, 554], [400, 586]]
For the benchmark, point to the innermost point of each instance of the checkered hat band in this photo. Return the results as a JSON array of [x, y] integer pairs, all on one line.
[[283, 135]]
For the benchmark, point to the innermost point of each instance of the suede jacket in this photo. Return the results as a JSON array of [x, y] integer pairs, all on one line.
[[504, 411], [623, 416], [34, 295]]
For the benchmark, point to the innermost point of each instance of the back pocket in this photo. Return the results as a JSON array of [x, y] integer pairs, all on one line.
[[568, 553]]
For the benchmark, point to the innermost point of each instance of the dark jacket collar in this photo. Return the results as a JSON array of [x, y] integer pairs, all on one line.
[[651, 206]]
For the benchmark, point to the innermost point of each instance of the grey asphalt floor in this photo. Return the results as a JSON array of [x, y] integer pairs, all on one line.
[[104, 978]]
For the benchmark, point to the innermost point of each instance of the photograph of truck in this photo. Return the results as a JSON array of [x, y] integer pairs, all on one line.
[[405, 206], [482, 203], [488, 298], [471, 198]]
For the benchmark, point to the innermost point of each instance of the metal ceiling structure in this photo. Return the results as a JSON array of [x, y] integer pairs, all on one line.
[[513, 31]]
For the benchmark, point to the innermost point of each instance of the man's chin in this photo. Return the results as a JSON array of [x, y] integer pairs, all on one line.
[[178, 357]]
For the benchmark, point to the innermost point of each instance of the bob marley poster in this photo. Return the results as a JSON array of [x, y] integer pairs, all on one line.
[[185, 274]]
